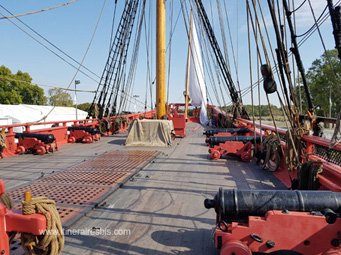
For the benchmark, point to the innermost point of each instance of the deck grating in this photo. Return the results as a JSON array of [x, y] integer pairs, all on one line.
[[82, 187], [96, 178], [68, 195], [15, 245], [66, 213], [126, 167]]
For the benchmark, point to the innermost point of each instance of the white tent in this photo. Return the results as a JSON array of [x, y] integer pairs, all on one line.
[[22, 113]]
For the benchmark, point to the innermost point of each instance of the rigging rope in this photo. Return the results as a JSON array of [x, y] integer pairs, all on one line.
[[260, 58], [300, 43], [80, 64], [323, 19], [235, 58], [205, 51], [210, 66], [82, 61], [41, 10], [250, 74], [50, 43], [315, 26], [284, 57], [222, 30], [4, 78], [113, 25], [240, 110], [128, 87], [149, 75], [112, 76], [170, 51], [322, 41], [299, 7], [193, 54], [275, 68]]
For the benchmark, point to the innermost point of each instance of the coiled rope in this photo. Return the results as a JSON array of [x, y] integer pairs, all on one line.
[[2, 141], [51, 242], [7, 202], [272, 157]]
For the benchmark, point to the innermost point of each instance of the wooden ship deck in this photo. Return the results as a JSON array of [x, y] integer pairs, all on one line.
[[157, 208]]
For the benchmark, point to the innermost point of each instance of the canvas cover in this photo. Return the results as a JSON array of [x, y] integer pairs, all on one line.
[[150, 133]]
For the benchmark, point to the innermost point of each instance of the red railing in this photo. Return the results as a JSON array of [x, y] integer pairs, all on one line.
[[59, 129], [330, 178]]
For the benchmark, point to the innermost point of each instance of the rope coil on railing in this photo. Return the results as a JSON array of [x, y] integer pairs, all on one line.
[[2, 141], [5, 199], [272, 156], [51, 242]]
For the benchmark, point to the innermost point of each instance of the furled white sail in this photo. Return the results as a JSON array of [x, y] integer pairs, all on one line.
[[197, 88]]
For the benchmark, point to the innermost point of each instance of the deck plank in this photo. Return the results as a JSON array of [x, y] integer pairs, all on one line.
[[162, 206]]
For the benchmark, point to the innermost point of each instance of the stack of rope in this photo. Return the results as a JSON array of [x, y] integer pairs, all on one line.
[[2, 141], [51, 242], [7, 202], [270, 155]]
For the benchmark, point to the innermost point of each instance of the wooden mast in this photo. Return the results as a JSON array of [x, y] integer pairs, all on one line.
[[161, 109], [187, 70]]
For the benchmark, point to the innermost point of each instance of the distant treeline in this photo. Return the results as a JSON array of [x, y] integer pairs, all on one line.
[[262, 110]]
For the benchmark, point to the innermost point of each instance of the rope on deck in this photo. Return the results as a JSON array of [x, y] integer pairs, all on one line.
[[51, 242]]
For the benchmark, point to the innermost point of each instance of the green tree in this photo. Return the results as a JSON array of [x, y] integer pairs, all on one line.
[[323, 78], [59, 97], [18, 88], [85, 107], [263, 110]]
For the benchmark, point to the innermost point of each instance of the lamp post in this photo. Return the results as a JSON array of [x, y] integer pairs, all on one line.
[[76, 83]]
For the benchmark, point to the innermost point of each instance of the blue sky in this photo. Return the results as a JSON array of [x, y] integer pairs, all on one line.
[[70, 28]]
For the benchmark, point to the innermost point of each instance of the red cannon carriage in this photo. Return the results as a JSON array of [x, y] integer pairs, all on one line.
[[36, 143], [277, 222], [241, 146], [83, 134]]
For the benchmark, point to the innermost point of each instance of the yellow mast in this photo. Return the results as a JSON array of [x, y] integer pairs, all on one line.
[[187, 71], [161, 109]]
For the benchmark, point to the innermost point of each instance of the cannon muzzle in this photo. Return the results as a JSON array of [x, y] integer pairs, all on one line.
[[90, 130], [45, 138], [237, 205], [216, 140], [240, 131]]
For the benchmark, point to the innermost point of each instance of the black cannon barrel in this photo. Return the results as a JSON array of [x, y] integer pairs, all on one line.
[[211, 132], [234, 205], [215, 140], [90, 130], [45, 138]]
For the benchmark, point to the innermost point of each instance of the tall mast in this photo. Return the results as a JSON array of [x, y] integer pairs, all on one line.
[[187, 69], [161, 110]]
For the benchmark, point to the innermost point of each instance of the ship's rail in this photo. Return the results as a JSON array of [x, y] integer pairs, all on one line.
[[317, 149], [59, 128]]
